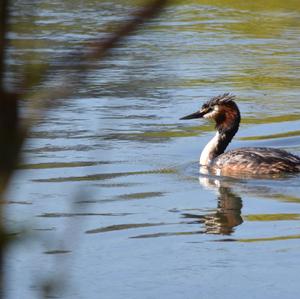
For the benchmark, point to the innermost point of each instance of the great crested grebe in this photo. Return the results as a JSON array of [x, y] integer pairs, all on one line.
[[248, 160]]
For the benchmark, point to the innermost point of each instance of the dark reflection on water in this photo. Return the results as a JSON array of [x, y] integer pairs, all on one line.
[[228, 213], [122, 227], [55, 215]]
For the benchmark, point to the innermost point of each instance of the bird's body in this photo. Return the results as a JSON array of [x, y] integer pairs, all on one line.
[[248, 160], [256, 161]]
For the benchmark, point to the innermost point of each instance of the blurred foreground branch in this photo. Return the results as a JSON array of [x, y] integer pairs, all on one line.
[[13, 132], [44, 99]]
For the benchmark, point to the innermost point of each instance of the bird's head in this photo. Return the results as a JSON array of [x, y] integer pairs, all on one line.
[[222, 109]]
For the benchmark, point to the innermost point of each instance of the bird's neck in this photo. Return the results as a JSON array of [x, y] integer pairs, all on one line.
[[218, 144]]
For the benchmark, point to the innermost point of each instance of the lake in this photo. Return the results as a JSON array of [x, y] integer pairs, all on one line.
[[109, 192]]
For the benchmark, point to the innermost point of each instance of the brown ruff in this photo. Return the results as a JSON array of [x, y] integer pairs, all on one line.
[[228, 117]]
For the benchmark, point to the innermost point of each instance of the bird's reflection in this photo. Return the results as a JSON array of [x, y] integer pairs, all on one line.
[[228, 213], [224, 219]]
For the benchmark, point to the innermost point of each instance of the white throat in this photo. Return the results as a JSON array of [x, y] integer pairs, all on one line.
[[207, 154]]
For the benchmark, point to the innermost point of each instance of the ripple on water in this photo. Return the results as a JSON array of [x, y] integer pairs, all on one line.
[[162, 231]]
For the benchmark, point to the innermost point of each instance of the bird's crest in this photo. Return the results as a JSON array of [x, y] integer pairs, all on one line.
[[225, 98]]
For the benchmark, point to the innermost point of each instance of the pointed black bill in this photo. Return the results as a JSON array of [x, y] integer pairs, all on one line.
[[197, 114]]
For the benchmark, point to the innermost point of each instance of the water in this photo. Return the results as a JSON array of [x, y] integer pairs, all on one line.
[[109, 192]]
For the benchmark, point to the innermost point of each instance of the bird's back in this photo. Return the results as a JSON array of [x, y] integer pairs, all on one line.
[[256, 161]]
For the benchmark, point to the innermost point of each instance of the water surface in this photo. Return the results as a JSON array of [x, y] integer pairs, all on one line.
[[109, 189]]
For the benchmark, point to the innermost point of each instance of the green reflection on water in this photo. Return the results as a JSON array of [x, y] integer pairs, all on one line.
[[272, 217], [286, 198], [279, 238], [255, 5], [264, 119], [272, 136]]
